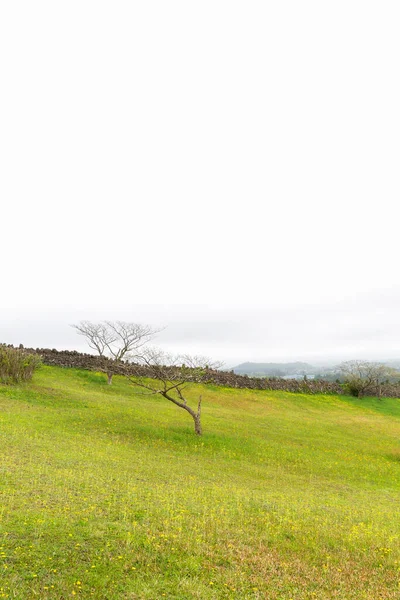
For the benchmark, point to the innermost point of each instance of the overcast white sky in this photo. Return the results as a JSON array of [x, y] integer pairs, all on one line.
[[227, 169]]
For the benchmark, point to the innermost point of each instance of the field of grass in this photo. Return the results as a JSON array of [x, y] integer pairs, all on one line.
[[108, 494]]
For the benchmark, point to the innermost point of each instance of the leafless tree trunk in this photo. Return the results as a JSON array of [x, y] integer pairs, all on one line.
[[196, 415], [169, 377]]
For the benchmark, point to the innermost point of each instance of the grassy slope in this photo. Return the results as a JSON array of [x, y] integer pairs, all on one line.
[[108, 494]]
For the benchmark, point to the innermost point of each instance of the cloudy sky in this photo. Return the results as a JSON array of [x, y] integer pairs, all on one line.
[[229, 170]]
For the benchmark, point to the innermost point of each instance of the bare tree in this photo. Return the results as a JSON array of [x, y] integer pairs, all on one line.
[[161, 373], [384, 374], [364, 377], [115, 340]]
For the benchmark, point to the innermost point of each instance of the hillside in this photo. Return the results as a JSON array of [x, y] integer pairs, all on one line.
[[106, 493]]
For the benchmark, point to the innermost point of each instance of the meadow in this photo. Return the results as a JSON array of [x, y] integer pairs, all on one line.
[[106, 493]]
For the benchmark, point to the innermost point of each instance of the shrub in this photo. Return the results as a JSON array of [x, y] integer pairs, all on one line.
[[17, 365], [355, 387]]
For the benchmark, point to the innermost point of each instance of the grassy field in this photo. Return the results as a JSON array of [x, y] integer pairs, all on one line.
[[108, 494]]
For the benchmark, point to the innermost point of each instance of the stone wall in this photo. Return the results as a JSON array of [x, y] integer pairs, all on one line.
[[78, 360], [72, 359]]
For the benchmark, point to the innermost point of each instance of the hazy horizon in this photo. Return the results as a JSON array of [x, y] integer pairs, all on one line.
[[228, 170], [362, 327]]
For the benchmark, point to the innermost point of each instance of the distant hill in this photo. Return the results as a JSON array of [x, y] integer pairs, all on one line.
[[297, 370], [292, 369]]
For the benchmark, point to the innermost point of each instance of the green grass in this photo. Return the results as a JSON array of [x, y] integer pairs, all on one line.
[[108, 494]]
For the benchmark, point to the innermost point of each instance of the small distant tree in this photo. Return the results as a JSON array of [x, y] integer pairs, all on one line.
[[115, 340], [362, 377], [160, 373]]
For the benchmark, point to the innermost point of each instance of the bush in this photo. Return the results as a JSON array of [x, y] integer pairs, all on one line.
[[356, 388], [17, 365]]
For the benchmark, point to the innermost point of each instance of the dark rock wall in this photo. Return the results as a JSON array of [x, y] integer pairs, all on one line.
[[78, 360]]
